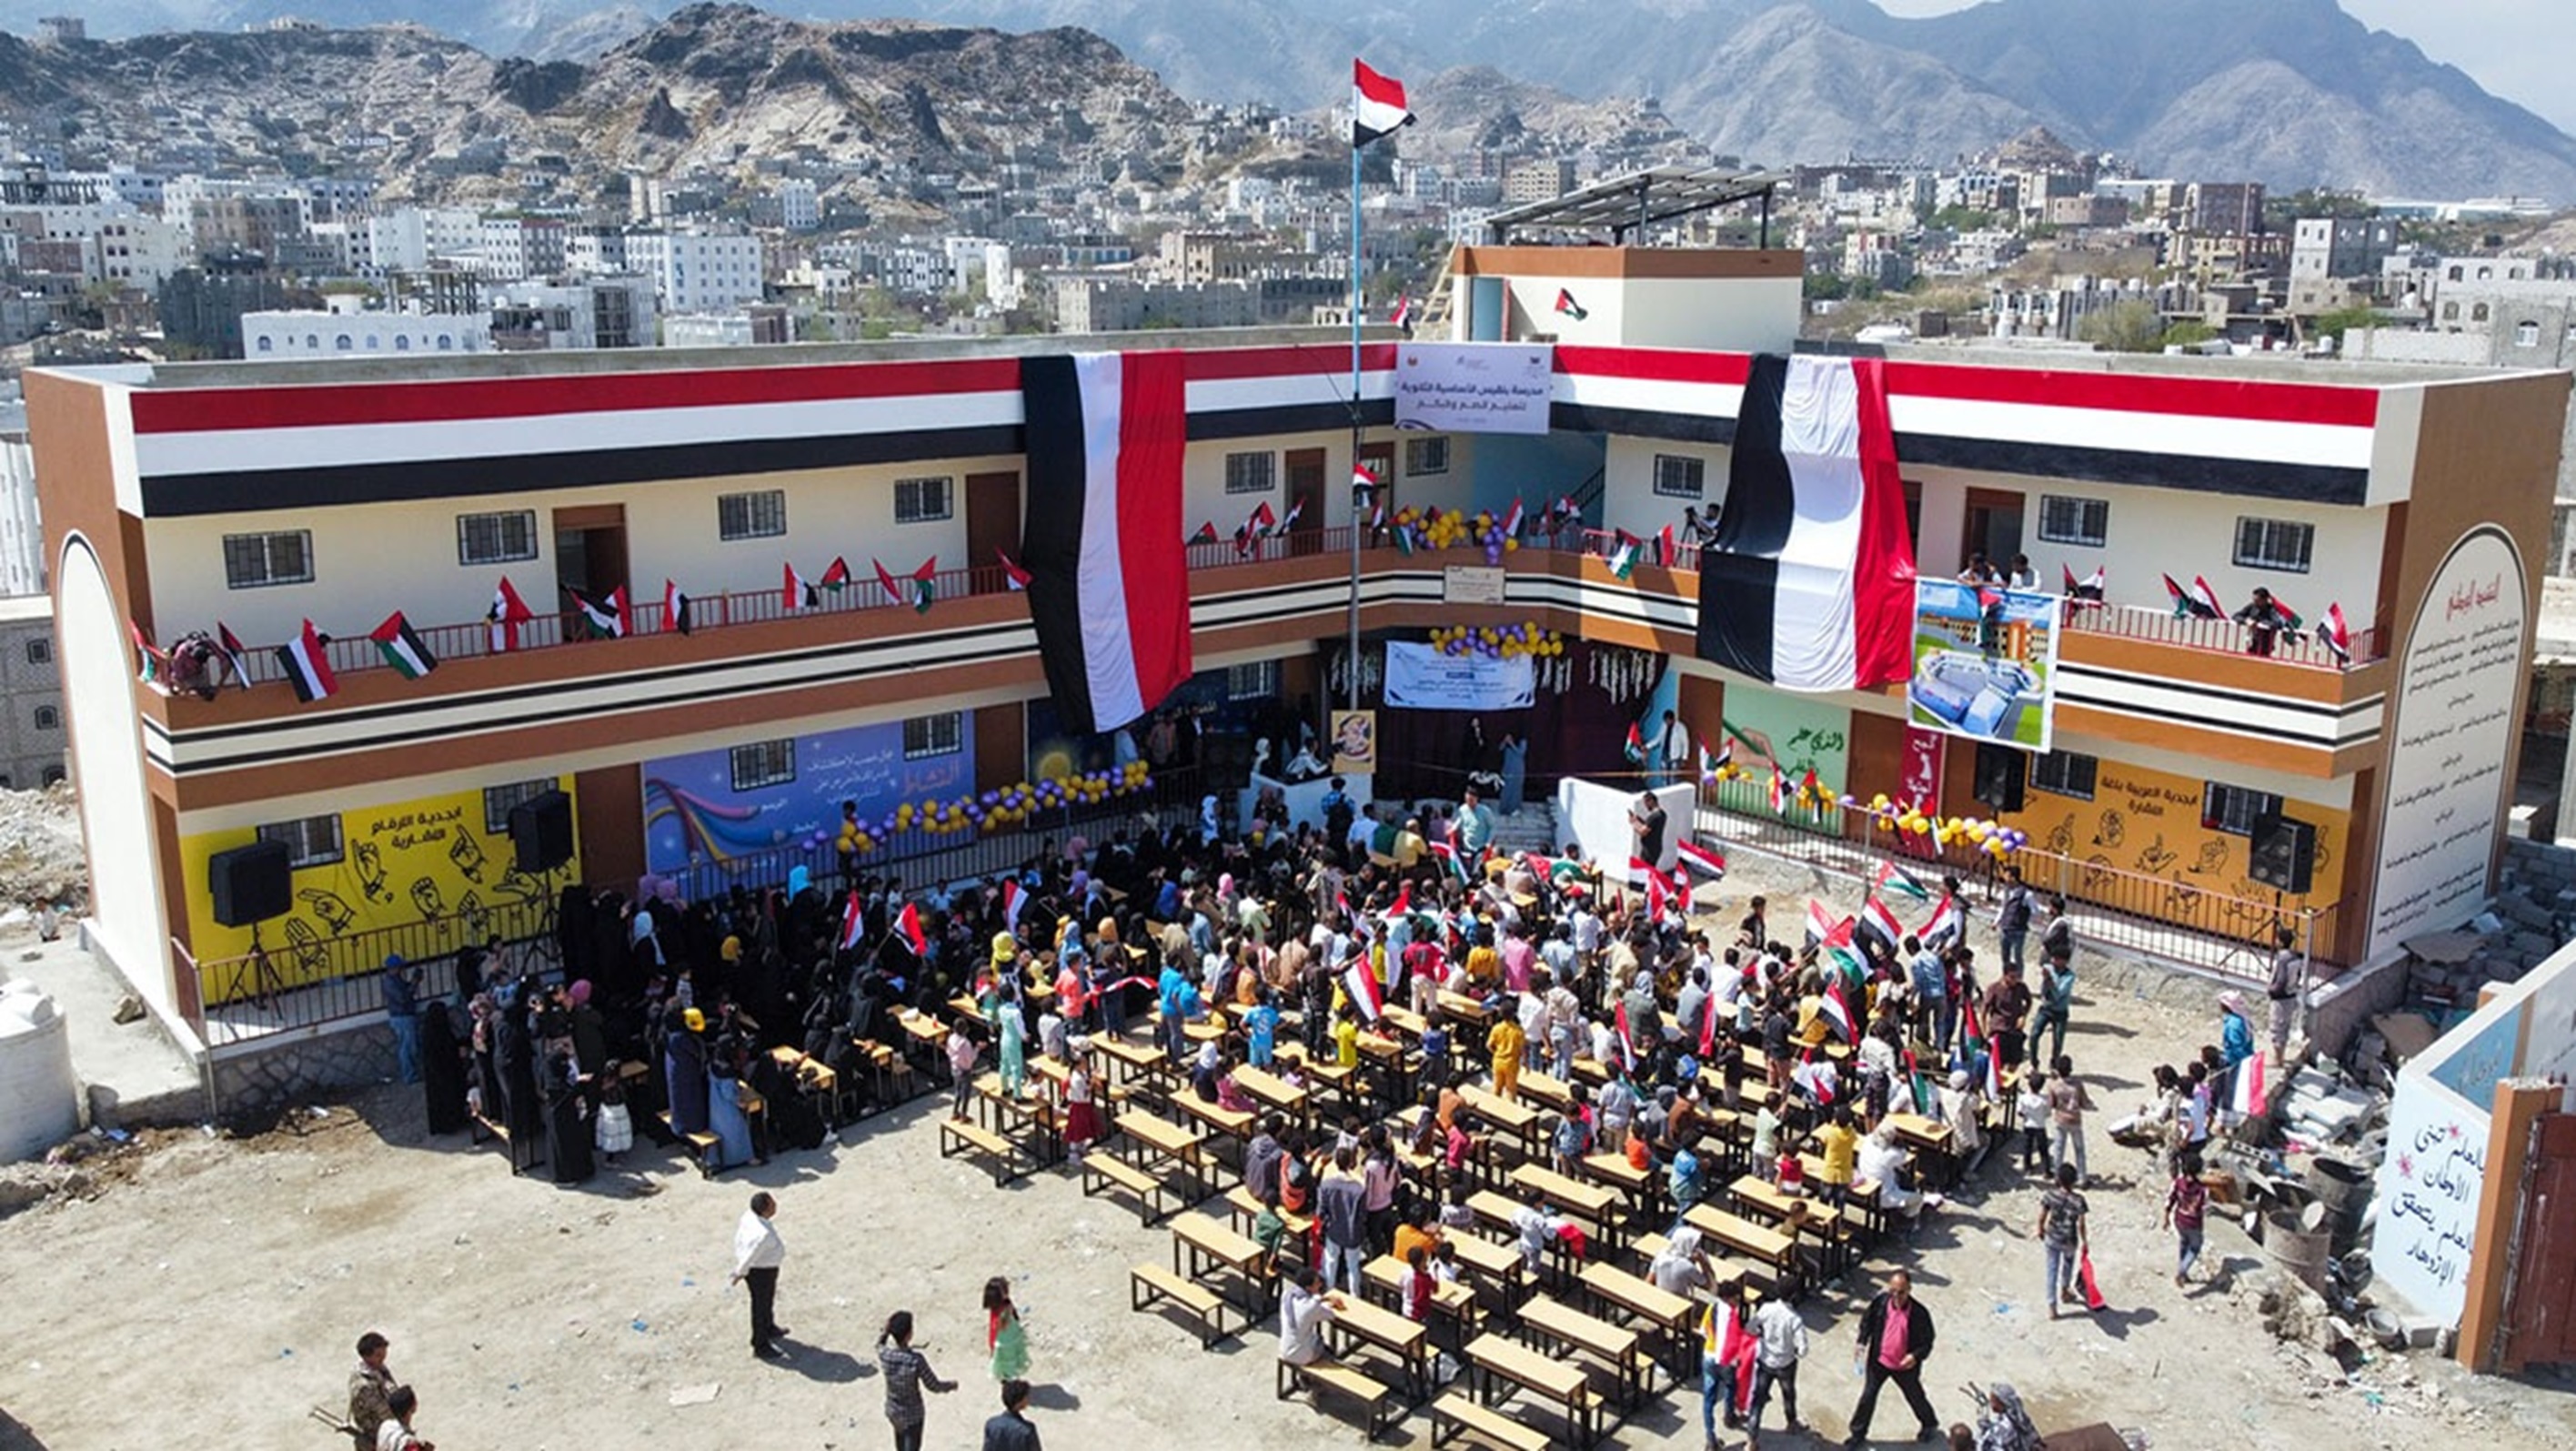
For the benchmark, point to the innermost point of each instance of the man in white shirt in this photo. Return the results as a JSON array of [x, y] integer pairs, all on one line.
[[1303, 1308], [757, 1254], [1780, 1343]]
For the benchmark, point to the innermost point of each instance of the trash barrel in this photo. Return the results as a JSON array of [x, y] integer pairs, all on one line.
[[2297, 1244]]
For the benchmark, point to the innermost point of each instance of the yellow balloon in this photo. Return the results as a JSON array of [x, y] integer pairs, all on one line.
[[1511, 545]]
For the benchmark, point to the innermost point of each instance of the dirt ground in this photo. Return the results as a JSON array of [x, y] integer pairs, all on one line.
[[212, 1288]]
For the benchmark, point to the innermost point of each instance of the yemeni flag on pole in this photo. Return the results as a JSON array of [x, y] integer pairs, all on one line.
[[854, 917], [1810, 582], [308, 666], [1657, 890], [1949, 923], [401, 646], [1377, 104], [605, 616], [1512, 520], [1014, 898], [2247, 1095], [797, 594], [1702, 859], [910, 923], [234, 654], [1258, 523], [1361, 984], [1838, 1012], [507, 614], [675, 608], [1665, 553], [2198, 602], [2335, 635], [1108, 587], [1880, 925]]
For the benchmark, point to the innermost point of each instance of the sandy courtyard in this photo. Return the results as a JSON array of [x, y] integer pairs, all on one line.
[[214, 1289]]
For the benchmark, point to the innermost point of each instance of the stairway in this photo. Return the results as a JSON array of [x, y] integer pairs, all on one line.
[[1532, 828]]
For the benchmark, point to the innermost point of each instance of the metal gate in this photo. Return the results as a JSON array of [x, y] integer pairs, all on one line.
[[2540, 1295]]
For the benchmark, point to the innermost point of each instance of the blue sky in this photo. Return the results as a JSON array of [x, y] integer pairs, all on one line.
[[2516, 48]]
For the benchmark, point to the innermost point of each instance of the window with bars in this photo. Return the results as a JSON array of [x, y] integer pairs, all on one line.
[[2085, 523], [312, 841], [48, 718], [1251, 473], [764, 763], [934, 735], [2064, 773], [2234, 809], [1680, 476], [1426, 456], [40, 652], [2283, 544], [758, 515], [497, 801], [282, 557], [1256, 681], [923, 500], [502, 538]]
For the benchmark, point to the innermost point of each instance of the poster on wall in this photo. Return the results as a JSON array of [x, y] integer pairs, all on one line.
[[1919, 785], [1354, 742], [1420, 677], [1474, 387], [700, 808], [2428, 1196], [2451, 729], [1985, 663]]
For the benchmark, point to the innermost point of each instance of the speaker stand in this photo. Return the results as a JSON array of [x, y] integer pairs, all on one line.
[[266, 987]]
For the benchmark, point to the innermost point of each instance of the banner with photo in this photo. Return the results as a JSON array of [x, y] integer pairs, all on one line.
[[1985, 663], [1420, 677]]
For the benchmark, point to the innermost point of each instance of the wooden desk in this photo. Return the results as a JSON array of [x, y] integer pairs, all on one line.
[[1464, 1009], [1156, 1140], [1496, 1264], [1828, 1224], [1136, 1064], [1408, 1340], [1456, 1300], [1508, 1116], [1673, 1316], [1403, 1020], [1931, 1139], [1205, 1244], [1269, 1088], [966, 1007], [1588, 1200], [1491, 1357], [1741, 1235], [1615, 1345], [924, 1030], [1010, 1114], [1643, 1187], [1547, 1089], [1232, 1124]]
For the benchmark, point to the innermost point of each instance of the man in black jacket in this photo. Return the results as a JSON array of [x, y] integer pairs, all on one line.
[[1895, 1340]]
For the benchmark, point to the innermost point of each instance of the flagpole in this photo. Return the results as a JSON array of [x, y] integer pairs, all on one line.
[[1356, 303]]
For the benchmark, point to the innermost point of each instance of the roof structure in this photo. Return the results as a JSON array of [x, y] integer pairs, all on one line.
[[1638, 199]]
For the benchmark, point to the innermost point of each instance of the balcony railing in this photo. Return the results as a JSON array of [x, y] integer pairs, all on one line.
[[2225, 637]]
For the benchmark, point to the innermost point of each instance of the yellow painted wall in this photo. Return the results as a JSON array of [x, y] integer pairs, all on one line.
[[403, 864], [2147, 824]]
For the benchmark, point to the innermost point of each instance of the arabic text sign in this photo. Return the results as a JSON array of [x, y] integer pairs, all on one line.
[[1419, 677], [1985, 663], [2428, 1196], [1474, 387]]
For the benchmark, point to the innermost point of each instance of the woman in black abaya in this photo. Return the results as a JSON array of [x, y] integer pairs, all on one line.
[[515, 1051], [442, 1068], [567, 1132]]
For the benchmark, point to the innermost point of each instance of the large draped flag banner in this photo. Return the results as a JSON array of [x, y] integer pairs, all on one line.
[[1108, 587], [1809, 584]]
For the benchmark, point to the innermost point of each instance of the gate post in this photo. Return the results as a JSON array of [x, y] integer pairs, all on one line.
[[2519, 1104]]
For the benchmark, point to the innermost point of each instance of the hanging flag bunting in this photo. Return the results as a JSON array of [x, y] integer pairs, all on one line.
[[147, 661], [675, 608], [1108, 583], [925, 585], [401, 646], [1011, 571], [507, 614], [1377, 104], [1705, 860], [2335, 635], [603, 615], [1809, 584], [308, 666], [233, 653]]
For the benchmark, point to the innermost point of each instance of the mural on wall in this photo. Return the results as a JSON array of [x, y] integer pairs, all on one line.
[[430, 860], [2149, 824], [692, 813], [1798, 732], [2428, 1195]]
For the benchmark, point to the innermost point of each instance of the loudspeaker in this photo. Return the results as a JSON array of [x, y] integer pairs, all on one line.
[[541, 832], [1226, 762], [1999, 777], [251, 883], [2284, 855]]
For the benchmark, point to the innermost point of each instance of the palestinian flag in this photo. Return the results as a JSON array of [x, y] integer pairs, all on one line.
[[1809, 584], [1702, 859], [1710, 763], [836, 576], [2284, 616], [401, 646], [1248, 535], [854, 917], [1879, 924], [1972, 1026], [910, 925], [2087, 590], [2335, 635], [2199, 602], [1108, 585], [234, 654], [1623, 556], [925, 585], [1448, 856], [1206, 535], [1360, 982], [1635, 749], [308, 666], [1404, 542], [1948, 923], [2247, 1095], [1893, 878], [507, 614], [675, 608], [1566, 306], [1377, 105], [147, 661], [1011, 571], [605, 616]]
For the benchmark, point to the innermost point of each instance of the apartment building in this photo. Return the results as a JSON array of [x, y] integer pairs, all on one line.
[[2415, 500]]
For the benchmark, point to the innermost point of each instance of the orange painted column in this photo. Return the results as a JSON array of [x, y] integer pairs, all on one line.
[[2519, 1103]]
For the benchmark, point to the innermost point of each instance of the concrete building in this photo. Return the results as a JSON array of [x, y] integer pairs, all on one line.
[[593, 312], [320, 336], [1098, 303], [33, 739], [800, 205], [760, 326], [697, 271], [1542, 179]]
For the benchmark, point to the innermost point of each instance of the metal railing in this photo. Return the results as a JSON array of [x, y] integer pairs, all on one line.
[[2220, 636], [2178, 917]]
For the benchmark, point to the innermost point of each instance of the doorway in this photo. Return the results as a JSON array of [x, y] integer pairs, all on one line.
[[590, 552], [1305, 500], [992, 528], [1994, 527]]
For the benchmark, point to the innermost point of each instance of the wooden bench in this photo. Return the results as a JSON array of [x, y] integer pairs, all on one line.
[[1202, 1245], [1343, 1381], [1148, 1283], [1101, 1171], [1458, 1414], [1383, 1278], [960, 1138], [702, 1146]]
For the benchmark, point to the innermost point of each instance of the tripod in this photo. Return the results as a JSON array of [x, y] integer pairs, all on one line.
[[265, 985]]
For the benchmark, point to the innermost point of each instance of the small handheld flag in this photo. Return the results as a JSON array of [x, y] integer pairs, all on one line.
[[910, 922], [1635, 748], [1566, 306], [1361, 984], [854, 916], [402, 648], [308, 667], [507, 614], [1947, 924], [1896, 879]]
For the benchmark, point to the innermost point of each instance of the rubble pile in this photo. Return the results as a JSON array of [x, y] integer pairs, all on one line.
[[42, 860]]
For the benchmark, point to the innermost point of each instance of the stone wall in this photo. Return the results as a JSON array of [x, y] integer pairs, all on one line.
[[269, 1073]]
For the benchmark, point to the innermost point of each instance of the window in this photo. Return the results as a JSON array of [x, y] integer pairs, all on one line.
[[2480, 313], [342, 342], [922, 501], [2235, 810], [40, 652], [496, 538], [1256, 681], [497, 801], [268, 345], [1426, 455], [2455, 274], [313, 341], [2274, 544], [446, 342], [2526, 334], [764, 763], [53, 775], [2450, 312], [2063, 773], [934, 735], [1251, 473], [251, 560], [48, 718], [2067, 520], [1679, 476], [402, 343], [761, 515], [313, 841]]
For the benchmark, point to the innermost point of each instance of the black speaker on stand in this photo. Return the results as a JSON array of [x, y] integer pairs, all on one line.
[[540, 844], [250, 885], [1999, 777], [2284, 855]]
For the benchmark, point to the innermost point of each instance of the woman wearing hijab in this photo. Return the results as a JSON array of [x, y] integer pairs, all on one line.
[[442, 1069], [588, 1031], [725, 1116], [1515, 774], [567, 1132], [515, 1052], [684, 1069], [2005, 1426]]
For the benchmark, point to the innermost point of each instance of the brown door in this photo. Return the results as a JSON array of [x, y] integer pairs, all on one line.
[[1379, 458], [1994, 527], [992, 527], [590, 553], [1305, 500], [2540, 1299]]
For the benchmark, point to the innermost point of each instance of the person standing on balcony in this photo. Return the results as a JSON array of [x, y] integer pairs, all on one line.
[[2021, 576], [2263, 619], [2012, 919]]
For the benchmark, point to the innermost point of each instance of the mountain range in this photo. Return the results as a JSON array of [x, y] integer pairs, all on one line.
[[2290, 92]]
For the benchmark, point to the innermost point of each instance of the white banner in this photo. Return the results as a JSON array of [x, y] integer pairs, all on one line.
[[1474, 387], [1419, 677]]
